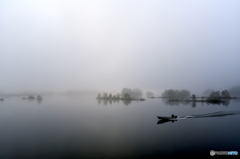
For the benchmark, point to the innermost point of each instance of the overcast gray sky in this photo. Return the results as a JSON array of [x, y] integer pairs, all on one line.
[[105, 45]]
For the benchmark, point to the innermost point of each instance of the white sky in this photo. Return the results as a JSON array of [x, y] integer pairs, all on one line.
[[105, 45]]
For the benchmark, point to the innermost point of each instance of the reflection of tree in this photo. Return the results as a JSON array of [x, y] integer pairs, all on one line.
[[126, 101], [108, 101], [193, 104], [226, 102], [39, 101], [185, 102], [105, 101], [173, 102]]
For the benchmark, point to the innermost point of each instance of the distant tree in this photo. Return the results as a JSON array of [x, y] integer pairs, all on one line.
[[149, 94], [194, 97], [31, 97], [128, 91], [215, 95], [110, 95], [225, 94], [176, 93], [137, 93], [99, 95], [105, 95], [184, 94], [126, 95], [169, 93]]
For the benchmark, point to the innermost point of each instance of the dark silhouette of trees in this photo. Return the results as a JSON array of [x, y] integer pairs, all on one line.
[[105, 95], [126, 90], [149, 94], [31, 97], [127, 96], [214, 95], [217, 95], [193, 97], [225, 94], [135, 93], [176, 94]]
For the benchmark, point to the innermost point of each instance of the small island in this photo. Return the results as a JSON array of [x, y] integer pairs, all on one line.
[[126, 94], [216, 97], [39, 97]]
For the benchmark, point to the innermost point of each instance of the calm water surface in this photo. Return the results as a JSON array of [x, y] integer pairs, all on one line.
[[83, 127]]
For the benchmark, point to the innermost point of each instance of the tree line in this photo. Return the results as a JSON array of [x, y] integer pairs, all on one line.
[[176, 94], [126, 93]]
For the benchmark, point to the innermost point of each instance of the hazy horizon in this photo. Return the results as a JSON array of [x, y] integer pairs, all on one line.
[[104, 46]]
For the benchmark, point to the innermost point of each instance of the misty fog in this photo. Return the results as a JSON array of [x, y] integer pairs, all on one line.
[[105, 46]]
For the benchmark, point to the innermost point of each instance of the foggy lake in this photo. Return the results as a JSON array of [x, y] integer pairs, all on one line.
[[121, 52], [80, 126]]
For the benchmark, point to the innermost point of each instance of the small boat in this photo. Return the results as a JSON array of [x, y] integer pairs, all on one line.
[[167, 118]]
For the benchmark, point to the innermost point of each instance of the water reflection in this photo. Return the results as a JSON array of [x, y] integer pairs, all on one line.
[[77, 127], [31, 100], [99, 101], [39, 101], [107, 101], [165, 121], [210, 115], [226, 102], [193, 104], [126, 102]]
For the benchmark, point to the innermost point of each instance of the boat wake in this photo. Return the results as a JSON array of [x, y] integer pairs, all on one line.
[[210, 115]]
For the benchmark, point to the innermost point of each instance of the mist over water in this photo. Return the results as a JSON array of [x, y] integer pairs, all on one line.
[[102, 46]]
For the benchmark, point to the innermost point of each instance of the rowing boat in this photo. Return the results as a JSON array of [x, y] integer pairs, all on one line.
[[167, 118]]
